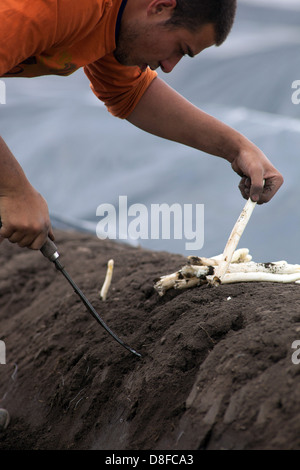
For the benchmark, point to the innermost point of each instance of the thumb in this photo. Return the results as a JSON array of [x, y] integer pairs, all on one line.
[[51, 235], [256, 189]]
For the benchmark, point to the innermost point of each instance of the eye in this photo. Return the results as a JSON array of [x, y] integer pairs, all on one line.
[[188, 52]]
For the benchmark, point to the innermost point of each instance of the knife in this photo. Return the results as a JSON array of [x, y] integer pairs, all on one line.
[[50, 251]]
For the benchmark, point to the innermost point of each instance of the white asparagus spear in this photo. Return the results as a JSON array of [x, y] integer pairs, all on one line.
[[168, 281], [233, 241], [190, 276], [273, 268], [260, 277], [239, 256], [231, 278], [107, 281]]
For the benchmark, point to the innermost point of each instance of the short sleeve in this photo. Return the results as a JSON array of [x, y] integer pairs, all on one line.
[[118, 86]]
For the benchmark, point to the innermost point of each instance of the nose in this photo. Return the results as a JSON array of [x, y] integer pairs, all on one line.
[[168, 64]]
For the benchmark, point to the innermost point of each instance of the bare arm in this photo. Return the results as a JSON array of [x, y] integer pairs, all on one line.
[[165, 113], [23, 211]]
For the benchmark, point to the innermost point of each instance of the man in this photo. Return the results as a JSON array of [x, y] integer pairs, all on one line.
[[120, 44]]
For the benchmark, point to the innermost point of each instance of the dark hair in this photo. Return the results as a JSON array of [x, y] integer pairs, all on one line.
[[192, 14]]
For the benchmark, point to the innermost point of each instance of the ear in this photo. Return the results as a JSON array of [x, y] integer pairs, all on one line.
[[159, 7]]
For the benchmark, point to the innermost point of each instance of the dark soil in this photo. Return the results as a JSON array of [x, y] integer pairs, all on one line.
[[215, 373]]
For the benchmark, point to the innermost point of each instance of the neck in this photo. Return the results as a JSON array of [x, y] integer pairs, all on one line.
[[134, 9]]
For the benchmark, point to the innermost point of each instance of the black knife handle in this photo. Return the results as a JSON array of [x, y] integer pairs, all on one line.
[[49, 250]]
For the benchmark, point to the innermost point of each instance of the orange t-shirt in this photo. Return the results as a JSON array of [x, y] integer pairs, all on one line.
[[44, 37]]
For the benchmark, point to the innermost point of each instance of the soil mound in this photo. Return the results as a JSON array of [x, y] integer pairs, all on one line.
[[216, 370]]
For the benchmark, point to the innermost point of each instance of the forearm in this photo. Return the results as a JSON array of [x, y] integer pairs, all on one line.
[[12, 176], [23, 211], [178, 120], [165, 113]]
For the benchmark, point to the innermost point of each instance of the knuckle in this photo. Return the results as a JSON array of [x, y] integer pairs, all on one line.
[[36, 229], [39, 227]]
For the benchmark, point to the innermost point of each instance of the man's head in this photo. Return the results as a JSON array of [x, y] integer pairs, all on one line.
[[158, 33], [192, 14]]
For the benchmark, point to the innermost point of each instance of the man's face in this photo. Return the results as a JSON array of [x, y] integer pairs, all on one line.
[[157, 45]]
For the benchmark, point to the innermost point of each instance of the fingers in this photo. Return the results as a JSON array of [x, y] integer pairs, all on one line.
[[51, 234], [32, 237], [245, 188], [253, 191], [260, 180], [260, 192], [25, 220], [271, 187]]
